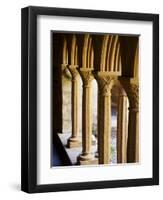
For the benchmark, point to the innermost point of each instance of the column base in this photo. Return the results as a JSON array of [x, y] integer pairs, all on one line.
[[76, 142], [88, 159], [73, 142]]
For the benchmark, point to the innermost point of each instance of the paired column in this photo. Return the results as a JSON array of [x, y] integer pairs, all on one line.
[[73, 141], [133, 126], [87, 77], [122, 127], [104, 116]]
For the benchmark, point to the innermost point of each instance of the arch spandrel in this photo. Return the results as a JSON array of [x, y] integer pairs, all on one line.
[[57, 54], [128, 47], [97, 41]]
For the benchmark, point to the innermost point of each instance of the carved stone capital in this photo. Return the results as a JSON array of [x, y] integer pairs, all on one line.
[[104, 82], [63, 67], [65, 72], [87, 76], [132, 89], [73, 70], [133, 94]]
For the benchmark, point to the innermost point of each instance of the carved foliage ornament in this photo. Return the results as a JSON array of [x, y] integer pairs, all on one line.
[[133, 94], [87, 77], [104, 83], [74, 72]]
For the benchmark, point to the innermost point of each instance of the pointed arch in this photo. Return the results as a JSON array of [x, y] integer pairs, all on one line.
[[121, 104], [136, 63], [112, 53], [64, 50], [108, 52], [117, 60], [87, 57], [91, 60], [84, 53], [72, 49], [104, 52]]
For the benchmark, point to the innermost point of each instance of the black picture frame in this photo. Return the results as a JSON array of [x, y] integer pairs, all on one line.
[[29, 99]]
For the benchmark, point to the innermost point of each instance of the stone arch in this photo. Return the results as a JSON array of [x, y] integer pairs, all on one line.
[[117, 60], [72, 49], [120, 105], [103, 53], [86, 51], [110, 55], [136, 63], [90, 54], [64, 50], [107, 53]]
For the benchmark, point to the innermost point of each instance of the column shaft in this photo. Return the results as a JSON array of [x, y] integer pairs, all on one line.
[[75, 108], [73, 141], [133, 126], [133, 137], [104, 116], [122, 127], [87, 120], [98, 121], [104, 130], [86, 156]]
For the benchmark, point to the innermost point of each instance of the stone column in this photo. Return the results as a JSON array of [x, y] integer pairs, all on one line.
[[104, 116], [133, 126], [122, 127], [73, 141], [87, 77], [98, 120]]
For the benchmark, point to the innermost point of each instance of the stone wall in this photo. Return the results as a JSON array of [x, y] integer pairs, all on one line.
[[66, 102]]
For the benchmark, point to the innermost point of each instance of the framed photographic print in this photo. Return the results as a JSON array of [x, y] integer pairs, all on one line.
[[90, 99]]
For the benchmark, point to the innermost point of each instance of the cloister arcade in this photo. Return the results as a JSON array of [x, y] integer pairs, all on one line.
[[112, 61]]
